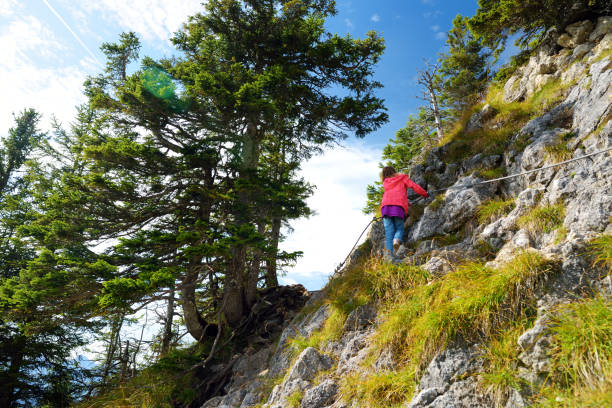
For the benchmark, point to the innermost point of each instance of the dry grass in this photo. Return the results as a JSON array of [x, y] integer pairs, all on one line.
[[543, 219], [469, 303], [581, 374], [494, 209]]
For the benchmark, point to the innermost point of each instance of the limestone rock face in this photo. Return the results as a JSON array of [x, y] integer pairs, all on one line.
[[458, 205], [603, 27], [446, 382], [581, 122], [580, 31]]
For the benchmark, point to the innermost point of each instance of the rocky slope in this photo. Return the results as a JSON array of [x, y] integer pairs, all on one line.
[[302, 370]]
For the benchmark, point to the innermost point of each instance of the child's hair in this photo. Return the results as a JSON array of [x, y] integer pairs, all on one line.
[[388, 171]]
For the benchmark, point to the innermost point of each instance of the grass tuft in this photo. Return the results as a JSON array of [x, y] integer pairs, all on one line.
[[385, 389], [493, 209], [559, 151], [419, 321], [581, 374], [543, 219], [295, 399], [437, 202], [601, 249], [501, 356]]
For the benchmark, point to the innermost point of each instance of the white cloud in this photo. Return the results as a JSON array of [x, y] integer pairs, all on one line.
[[42, 86], [432, 14], [341, 176], [439, 35], [349, 23], [151, 19], [375, 18], [8, 7]]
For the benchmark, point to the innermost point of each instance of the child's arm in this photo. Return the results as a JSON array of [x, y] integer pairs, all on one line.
[[417, 189]]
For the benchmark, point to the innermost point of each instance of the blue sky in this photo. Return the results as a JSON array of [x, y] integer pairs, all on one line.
[[50, 46]]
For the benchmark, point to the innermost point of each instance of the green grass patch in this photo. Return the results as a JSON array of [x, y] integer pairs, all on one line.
[[601, 249], [437, 202], [295, 399], [165, 384], [490, 174], [385, 389], [581, 371], [494, 208], [369, 281], [604, 54], [511, 117], [501, 356], [543, 219], [559, 151], [467, 303], [561, 234]]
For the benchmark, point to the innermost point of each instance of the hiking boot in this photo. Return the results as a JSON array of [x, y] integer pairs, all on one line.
[[396, 245]]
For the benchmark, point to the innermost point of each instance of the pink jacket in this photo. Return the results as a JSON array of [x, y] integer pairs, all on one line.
[[395, 191]]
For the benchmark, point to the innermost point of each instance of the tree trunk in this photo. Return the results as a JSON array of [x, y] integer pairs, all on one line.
[[238, 288], [271, 273], [196, 326], [167, 333], [9, 382], [114, 340], [436, 112], [427, 79]]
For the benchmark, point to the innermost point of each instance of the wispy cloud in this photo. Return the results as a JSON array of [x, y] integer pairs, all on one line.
[[375, 18], [439, 35], [349, 23], [25, 42], [8, 7], [71, 31], [153, 20], [432, 14]]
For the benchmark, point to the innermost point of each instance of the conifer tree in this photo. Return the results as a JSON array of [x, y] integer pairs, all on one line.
[[189, 164], [464, 68], [38, 330], [496, 20]]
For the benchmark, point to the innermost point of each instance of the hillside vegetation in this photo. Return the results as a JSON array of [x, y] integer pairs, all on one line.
[[187, 169]]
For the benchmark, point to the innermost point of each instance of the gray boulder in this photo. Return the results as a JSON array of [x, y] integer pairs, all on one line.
[[580, 31], [604, 26], [320, 396], [459, 205]]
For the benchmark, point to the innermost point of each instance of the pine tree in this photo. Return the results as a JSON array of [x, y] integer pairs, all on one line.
[[189, 164], [464, 68], [38, 331]]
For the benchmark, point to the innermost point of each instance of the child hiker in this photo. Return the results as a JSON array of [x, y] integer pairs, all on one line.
[[394, 206]]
